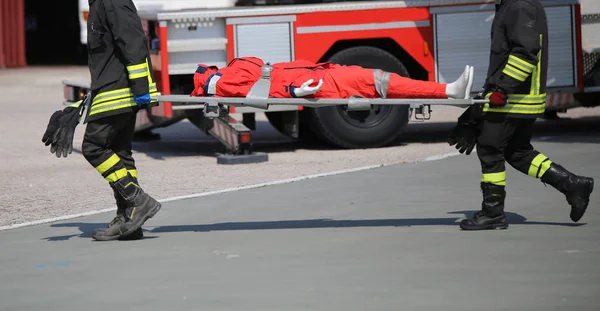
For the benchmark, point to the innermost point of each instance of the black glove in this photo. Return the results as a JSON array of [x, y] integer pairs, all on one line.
[[52, 127], [464, 134], [62, 141]]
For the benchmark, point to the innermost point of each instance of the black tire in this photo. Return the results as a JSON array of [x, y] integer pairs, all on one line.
[[362, 129], [275, 119], [305, 133]]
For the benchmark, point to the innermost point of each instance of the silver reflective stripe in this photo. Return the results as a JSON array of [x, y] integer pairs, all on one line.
[[212, 85], [382, 80], [143, 70], [521, 76], [359, 27]]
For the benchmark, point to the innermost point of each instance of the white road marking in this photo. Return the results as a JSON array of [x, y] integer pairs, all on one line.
[[203, 194], [441, 156]]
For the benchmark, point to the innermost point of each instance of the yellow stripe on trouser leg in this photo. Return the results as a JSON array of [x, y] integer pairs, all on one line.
[[498, 179], [108, 164], [116, 175], [539, 166]]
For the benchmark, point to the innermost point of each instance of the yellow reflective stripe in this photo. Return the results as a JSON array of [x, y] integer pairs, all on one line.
[[106, 165], [519, 66], [520, 63], [133, 173], [113, 102], [114, 105], [515, 73], [76, 104], [523, 98], [120, 100], [140, 71], [498, 179], [535, 83], [116, 175], [138, 74], [539, 166], [118, 94], [536, 98], [137, 67], [149, 74], [112, 94], [516, 108]]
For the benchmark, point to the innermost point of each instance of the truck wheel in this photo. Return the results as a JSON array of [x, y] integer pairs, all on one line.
[[305, 133], [275, 119], [362, 129]]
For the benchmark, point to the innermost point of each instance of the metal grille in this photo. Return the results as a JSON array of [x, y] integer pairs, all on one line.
[[589, 17], [589, 60]]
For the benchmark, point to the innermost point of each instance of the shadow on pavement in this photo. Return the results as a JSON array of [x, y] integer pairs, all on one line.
[[513, 218]]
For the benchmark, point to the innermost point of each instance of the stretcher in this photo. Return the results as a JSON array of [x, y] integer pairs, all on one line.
[[216, 107], [258, 97], [236, 137], [351, 104]]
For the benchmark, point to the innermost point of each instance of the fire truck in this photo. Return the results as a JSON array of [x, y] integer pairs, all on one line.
[[422, 39]]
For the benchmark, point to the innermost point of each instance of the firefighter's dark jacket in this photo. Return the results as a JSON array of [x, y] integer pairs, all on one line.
[[118, 58], [519, 58]]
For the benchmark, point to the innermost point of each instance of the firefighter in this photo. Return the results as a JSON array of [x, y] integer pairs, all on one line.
[[502, 129], [122, 83], [294, 79]]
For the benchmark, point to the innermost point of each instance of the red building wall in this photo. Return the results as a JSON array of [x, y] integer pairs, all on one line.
[[12, 33]]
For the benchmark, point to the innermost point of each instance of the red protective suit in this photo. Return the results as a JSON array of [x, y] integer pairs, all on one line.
[[339, 81]]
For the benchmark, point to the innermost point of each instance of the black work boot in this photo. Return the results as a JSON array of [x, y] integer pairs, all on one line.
[[113, 231], [491, 215], [139, 205], [577, 189]]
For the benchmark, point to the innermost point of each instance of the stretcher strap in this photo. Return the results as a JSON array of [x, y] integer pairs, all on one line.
[[382, 79], [259, 93]]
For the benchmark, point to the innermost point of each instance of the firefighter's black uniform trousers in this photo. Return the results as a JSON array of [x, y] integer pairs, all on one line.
[[107, 145], [508, 140], [518, 68], [120, 69]]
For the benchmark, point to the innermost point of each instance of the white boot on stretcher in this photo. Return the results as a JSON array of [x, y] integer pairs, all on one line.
[[461, 88]]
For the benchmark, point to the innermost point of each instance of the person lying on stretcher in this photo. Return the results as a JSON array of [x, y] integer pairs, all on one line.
[[298, 79]]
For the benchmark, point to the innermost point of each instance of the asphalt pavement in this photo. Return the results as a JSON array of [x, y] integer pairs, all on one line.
[[382, 239]]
